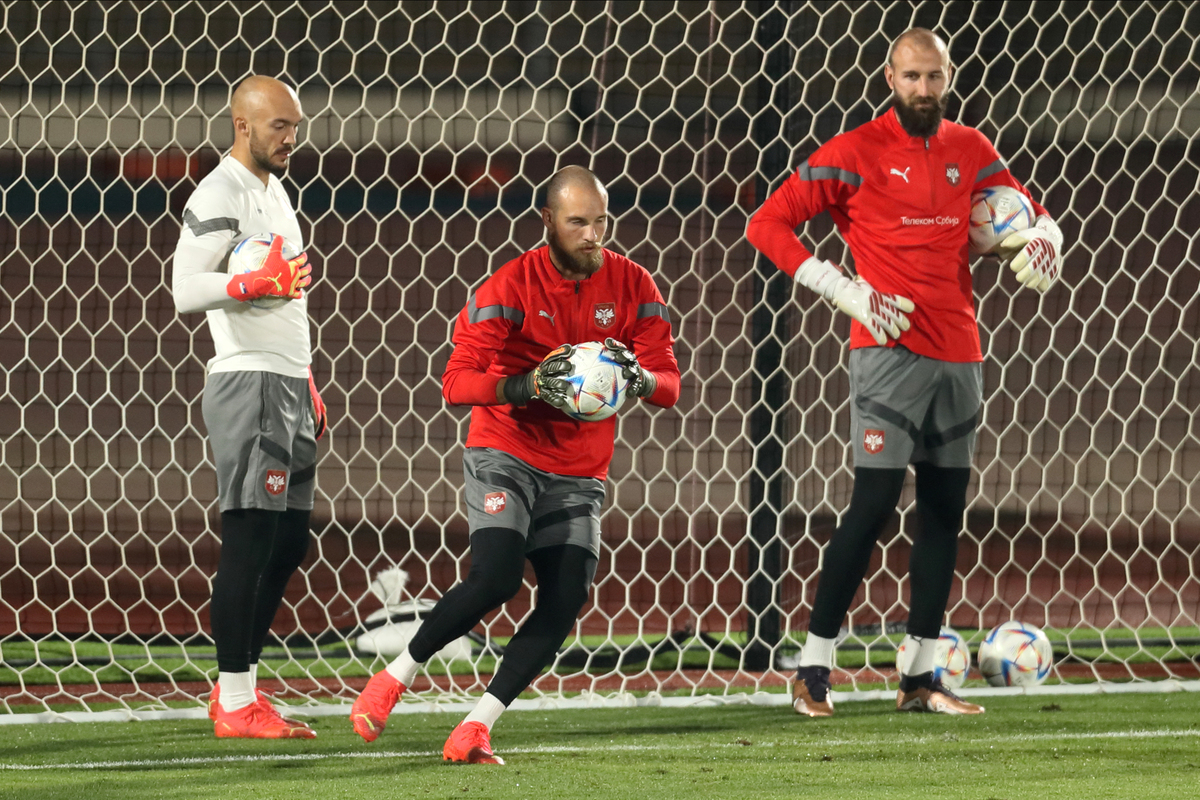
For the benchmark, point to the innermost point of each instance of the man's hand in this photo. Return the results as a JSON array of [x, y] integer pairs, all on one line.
[[882, 314], [545, 382], [1038, 253], [641, 382], [319, 412], [277, 277]]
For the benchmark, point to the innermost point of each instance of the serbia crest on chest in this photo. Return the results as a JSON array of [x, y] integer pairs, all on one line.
[[604, 314], [953, 176]]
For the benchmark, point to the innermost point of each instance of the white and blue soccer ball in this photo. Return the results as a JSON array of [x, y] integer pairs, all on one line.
[[249, 254], [997, 212], [597, 382], [951, 657], [1015, 654]]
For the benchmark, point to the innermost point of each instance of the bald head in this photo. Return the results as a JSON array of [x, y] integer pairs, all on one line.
[[266, 119], [260, 94], [569, 179], [576, 218], [919, 39], [918, 73]]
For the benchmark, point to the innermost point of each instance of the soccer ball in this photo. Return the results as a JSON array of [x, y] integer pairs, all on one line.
[[249, 255], [996, 213], [951, 658], [1015, 654], [597, 383]]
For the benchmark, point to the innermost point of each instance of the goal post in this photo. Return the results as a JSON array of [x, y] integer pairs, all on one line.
[[431, 128]]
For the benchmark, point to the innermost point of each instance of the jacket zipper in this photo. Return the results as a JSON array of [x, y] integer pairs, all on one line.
[[929, 175]]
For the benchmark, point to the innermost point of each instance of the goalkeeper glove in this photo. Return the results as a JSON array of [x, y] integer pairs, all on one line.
[[641, 382], [277, 277], [320, 414], [1038, 259], [544, 382], [882, 314]]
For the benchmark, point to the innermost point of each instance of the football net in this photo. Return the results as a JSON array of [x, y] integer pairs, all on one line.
[[431, 127]]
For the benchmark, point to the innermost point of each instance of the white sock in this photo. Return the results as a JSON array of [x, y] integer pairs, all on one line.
[[922, 657], [237, 690], [817, 652], [254, 672], [404, 669], [487, 710]]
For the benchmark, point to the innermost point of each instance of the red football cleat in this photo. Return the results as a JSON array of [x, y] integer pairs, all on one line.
[[370, 711], [470, 743], [263, 698], [258, 721]]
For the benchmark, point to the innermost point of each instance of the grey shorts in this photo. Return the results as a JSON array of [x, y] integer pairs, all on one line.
[[906, 408], [503, 491], [260, 426]]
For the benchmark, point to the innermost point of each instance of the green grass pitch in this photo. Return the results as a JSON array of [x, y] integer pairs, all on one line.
[[1081, 747]]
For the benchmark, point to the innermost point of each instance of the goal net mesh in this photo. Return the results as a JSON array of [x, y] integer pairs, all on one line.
[[431, 128]]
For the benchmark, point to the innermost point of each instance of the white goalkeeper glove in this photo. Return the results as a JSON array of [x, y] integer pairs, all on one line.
[[882, 314], [1038, 253]]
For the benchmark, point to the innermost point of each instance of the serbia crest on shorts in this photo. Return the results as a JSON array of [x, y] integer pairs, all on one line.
[[605, 314], [953, 176], [494, 502], [276, 481], [873, 441]]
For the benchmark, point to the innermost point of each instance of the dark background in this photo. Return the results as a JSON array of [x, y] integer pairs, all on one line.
[[431, 127]]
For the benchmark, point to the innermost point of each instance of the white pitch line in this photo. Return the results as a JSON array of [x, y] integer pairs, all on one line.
[[170, 763]]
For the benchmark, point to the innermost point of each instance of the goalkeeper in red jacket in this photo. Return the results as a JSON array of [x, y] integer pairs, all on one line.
[[534, 477], [899, 190]]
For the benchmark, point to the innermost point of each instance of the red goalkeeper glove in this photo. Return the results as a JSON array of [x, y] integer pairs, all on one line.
[[320, 414], [277, 277]]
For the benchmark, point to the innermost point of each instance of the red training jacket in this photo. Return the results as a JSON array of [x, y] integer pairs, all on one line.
[[526, 310], [903, 205]]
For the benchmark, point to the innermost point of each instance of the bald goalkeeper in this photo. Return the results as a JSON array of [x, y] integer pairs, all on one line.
[[261, 407]]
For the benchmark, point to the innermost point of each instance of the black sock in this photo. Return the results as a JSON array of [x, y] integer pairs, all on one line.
[[846, 557], [497, 568], [290, 548], [246, 537], [941, 500], [564, 579]]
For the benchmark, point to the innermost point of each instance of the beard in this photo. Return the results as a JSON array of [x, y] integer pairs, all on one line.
[[262, 157], [920, 121], [582, 263]]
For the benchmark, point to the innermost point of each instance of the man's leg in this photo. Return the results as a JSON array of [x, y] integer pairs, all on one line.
[[287, 554], [564, 578], [948, 437], [941, 501], [251, 418], [246, 538], [497, 569]]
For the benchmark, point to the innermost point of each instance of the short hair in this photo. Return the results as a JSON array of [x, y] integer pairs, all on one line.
[[920, 37], [573, 175]]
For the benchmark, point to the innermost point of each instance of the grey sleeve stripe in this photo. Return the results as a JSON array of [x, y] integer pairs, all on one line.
[[199, 228], [990, 170], [808, 173], [477, 314], [653, 310]]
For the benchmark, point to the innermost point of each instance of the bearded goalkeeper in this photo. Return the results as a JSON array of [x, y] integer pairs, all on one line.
[[899, 190], [261, 408]]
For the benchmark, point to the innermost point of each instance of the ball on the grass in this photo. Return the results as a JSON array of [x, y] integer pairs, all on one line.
[[951, 659], [997, 212], [597, 382], [250, 253], [1015, 654]]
